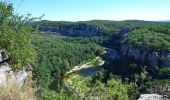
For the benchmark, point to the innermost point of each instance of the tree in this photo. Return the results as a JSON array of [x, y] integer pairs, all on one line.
[[15, 37]]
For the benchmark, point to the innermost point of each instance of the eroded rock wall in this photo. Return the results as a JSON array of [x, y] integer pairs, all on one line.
[[73, 30], [153, 58]]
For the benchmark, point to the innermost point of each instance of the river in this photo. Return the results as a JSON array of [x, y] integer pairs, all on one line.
[[92, 66]]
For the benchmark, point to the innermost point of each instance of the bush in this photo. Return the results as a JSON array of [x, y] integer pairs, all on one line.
[[81, 88], [15, 37]]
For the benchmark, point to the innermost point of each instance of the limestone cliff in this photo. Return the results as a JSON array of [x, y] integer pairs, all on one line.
[[153, 58], [73, 30]]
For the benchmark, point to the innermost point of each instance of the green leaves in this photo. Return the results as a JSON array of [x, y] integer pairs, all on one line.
[[15, 38], [149, 40], [58, 55], [81, 88]]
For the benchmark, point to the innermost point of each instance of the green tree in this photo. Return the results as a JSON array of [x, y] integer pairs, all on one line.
[[15, 37]]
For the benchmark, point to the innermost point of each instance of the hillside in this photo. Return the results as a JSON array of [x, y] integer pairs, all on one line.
[[143, 48], [85, 60]]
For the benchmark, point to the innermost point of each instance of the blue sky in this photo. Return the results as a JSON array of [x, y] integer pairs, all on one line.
[[80, 10]]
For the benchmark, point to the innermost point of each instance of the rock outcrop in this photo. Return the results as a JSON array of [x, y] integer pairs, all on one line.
[[151, 97], [73, 30], [6, 72], [3, 55], [153, 58]]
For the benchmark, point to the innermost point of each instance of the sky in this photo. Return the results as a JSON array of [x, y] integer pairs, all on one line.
[[82, 10]]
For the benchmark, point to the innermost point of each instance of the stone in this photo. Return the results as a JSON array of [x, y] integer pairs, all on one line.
[[2, 78], [3, 55], [21, 77], [151, 97], [6, 73]]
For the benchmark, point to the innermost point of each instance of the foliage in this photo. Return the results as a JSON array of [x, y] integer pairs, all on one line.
[[149, 40], [145, 35], [47, 94], [94, 62], [81, 88], [132, 91], [160, 73], [157, 86], [56, 56], [15, 37]]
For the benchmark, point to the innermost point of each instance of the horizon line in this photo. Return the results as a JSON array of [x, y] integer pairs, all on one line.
[[168, 20]]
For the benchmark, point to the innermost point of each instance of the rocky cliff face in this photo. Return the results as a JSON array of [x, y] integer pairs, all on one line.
[[153, 58], [111, 54], [73, 30]]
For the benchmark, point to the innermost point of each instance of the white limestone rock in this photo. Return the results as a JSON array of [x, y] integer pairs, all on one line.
[[151, 97], [2, 78], [21, 77], [6, 73]]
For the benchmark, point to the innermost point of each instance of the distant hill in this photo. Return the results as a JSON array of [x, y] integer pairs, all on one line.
[[163, 21]]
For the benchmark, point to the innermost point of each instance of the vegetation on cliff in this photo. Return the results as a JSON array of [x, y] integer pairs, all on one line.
[[52, 56], [149, 40]]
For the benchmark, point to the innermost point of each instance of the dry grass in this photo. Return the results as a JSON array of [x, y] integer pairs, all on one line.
[[11, 91]]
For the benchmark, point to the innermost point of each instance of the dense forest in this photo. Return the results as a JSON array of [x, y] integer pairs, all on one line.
[[57, 56], [134, 76], [52, 48]]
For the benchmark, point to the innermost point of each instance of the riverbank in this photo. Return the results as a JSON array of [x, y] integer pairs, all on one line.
[[97, 62]]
